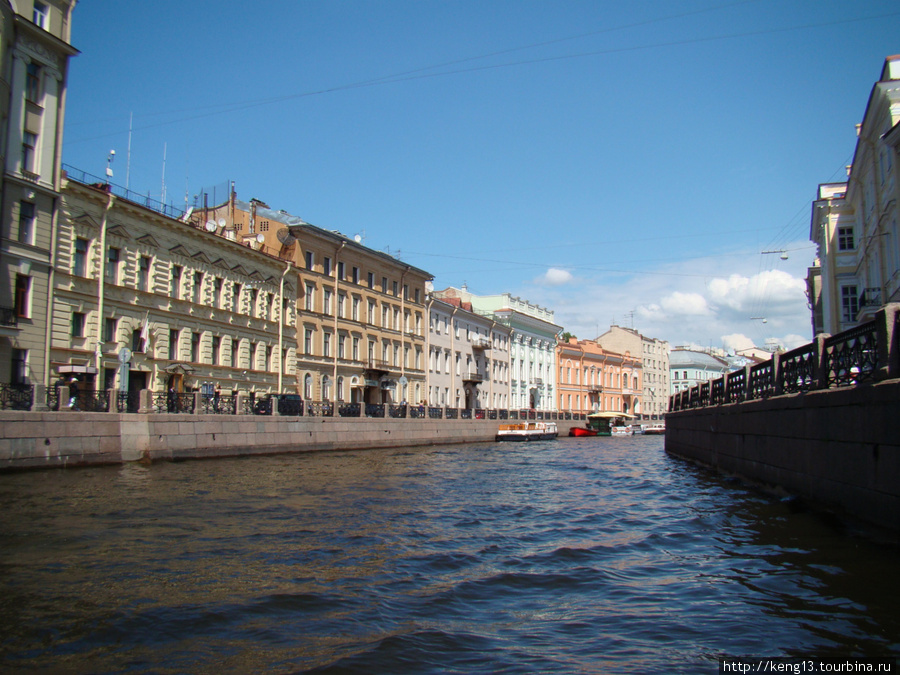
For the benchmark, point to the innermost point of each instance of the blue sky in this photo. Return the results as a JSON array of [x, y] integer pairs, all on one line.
[[616, 162]]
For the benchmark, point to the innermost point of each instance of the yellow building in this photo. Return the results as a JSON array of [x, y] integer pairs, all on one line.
[[34, 55], [360, 312], [144, 300]]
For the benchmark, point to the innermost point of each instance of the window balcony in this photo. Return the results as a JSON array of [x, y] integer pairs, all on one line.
[[8, 317]]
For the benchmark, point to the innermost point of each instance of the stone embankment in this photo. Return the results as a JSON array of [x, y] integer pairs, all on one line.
[[60, 439]]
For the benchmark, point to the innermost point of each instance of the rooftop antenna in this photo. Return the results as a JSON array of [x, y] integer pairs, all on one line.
[[128, 157], [163, 194], [109, 158]]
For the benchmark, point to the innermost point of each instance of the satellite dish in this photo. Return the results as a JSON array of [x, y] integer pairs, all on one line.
[[285, 237], [221, 222], [260, 238], [357, 239], [210, 226]]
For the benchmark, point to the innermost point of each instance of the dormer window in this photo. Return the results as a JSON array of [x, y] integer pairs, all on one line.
[[40, 15]]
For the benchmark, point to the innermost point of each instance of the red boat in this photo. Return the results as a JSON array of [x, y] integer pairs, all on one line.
[[582, 431]]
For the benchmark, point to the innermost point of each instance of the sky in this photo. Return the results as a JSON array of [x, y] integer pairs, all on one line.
[[644, 164]]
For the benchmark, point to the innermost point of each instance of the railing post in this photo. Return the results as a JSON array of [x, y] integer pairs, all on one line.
[[887, 337], [274, 398], [39, 403], [777, 384], [198, 402], [821, 370], [64, 397], [112, 400]]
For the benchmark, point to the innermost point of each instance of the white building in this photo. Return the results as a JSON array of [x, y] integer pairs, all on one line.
[[468, 357], [688, 368], [854, 224], [532, 353]]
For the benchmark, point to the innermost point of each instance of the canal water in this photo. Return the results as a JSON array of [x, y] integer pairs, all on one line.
[[595, 555]]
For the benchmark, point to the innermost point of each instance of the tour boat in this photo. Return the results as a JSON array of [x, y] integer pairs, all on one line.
[[527, 431], [621, 431], [579, 432], [655, 429]]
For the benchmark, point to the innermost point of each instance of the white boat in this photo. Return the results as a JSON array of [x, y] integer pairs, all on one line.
[[637, 429], [621, 431], [527, 431], [655, 429]]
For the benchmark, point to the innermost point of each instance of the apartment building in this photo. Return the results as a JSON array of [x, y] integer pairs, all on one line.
[[532, 350], [854, 224], [145, 300], [360, 314], [34, 56], [654, 357], [593, 379], [468, 357]]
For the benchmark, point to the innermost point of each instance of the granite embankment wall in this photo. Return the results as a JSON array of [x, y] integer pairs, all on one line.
[[59, 439], [838, 448]]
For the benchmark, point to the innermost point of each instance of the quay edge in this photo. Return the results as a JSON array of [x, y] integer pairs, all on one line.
[[34, 440], [838, 448]]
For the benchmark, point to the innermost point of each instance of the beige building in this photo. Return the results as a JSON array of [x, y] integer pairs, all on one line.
[[34, 55], [360, 312], [142, 300], [654, 357], [855, 224], [468, 357]]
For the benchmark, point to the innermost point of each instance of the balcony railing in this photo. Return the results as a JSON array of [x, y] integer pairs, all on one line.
[[8, 317], [870, 297], [861, 355]]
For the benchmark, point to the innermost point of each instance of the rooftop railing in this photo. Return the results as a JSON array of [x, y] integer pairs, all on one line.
[[867, 353]]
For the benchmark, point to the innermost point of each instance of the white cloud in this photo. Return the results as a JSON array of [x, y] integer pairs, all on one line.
[[736, 341], [684, 304], [555, 277]]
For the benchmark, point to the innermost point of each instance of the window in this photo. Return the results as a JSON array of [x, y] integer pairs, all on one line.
[[79, 267], [355, 310], [144, 273], [326, 343], [310, 260], [371, 316], [77, 324], [355, 275], [26, 223], [33, 83], [310, 298], [326, 301], [110, 329], [342, 346], [326, 266], [307, 341], [216, 347], [307, 387], [236, 298], [40, 14], [384, 284], [372, 280], [198, 288], [175, 284], [235, 352], [355, 355], [19, 364], [217, 292], [173, 344], [340, 270], [23, 296], [254, 296], [112, 265], [342, 301], [195, 347], [845, 239], [137, 341], [849, 303], [394, 289], [29, 143]]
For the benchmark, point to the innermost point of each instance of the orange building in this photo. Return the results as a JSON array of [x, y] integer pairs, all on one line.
[[592, 379]]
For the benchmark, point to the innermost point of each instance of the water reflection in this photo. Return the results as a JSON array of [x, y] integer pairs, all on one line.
[[567, 556]]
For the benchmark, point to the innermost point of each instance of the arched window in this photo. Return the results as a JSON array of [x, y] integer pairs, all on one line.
[[308, 387], [326, 388], [339, 394]]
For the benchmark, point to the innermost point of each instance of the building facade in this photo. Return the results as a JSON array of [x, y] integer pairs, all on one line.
[[592, 379], [690, 368], [532, 352], [34, 55], [855, 224], [654, 357], [142, 300], [468, 357], [360, 312]]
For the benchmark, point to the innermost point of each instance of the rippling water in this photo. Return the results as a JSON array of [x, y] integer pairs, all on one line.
[[579, 555]]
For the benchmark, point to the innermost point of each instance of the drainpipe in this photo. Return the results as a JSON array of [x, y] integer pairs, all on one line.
[[453, 350], [101, 281], [287, 269], [337, 296]]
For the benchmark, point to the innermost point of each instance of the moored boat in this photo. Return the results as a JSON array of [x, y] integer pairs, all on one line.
[[580, 432], [621, 431], [527, 431], [655, 429]]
